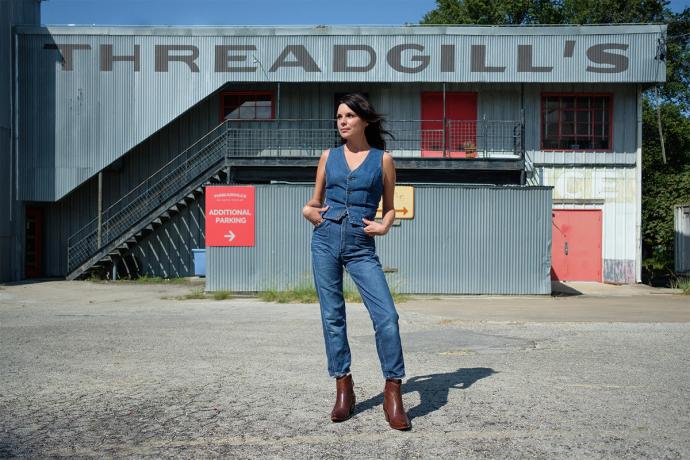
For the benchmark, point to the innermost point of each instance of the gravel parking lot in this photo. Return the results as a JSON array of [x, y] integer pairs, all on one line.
[[126, 370]]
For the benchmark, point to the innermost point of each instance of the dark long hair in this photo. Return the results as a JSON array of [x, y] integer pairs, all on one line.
[[374, 131]]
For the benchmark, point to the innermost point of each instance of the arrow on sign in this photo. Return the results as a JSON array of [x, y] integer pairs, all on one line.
[[230, 236], [404, 211]]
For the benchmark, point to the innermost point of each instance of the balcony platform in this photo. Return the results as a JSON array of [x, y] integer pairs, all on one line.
[[501, 171]]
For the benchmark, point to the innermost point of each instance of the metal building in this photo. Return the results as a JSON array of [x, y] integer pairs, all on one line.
[[681, 226], [116, 130]]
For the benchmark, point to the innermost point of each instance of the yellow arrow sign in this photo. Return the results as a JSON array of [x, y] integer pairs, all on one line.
[[403, 197]]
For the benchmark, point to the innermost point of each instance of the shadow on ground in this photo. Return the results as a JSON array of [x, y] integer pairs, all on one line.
[[433, 389], [559, 289]]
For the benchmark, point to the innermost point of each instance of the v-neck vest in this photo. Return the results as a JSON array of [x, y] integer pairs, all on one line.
[[354, 194]]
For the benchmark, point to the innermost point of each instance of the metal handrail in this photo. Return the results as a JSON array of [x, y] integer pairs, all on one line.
[[287, 137]]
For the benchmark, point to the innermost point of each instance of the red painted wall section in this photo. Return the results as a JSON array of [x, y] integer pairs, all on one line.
[[576, 250], [459, 135]]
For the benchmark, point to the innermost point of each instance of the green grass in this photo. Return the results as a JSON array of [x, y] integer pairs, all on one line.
[[683, 284], [299, 294], [222, 295], [307, 294]]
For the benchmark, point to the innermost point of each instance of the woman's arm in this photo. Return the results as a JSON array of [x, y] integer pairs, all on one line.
[[312, 209], [388, 213]]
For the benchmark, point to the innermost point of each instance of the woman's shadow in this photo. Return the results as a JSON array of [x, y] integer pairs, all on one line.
[[433, 389]]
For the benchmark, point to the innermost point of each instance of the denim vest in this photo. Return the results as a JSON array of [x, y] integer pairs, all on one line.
[[355, 194]]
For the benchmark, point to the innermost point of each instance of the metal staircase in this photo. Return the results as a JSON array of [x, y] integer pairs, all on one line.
[[154, 201]]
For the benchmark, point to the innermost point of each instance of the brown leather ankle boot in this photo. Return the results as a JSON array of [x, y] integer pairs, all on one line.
[[393, 406], [344, 399]]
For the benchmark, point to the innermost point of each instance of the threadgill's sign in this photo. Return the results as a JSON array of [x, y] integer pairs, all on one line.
[[405, 58]]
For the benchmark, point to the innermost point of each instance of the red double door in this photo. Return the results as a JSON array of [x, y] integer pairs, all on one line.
[[460, 136], [576, 245]]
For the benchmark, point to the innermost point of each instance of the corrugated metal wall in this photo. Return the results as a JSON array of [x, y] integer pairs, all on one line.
[[79, 207], [463, 239], [167, 252], [682, 239], [398, 102], [74, 123], [12, 12]]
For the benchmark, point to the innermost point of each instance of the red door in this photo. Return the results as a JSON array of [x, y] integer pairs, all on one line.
[[32, 248], [576, 248], [461, 130]]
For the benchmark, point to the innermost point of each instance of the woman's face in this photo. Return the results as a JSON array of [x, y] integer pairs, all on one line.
[[350, 125]]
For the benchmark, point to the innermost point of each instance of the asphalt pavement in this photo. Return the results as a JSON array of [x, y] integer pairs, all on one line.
[[128, 370]]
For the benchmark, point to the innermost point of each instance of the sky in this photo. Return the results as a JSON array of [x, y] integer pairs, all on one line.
[[234, 12], [242, 12]]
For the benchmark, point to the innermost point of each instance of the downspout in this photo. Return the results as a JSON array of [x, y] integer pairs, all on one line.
[[17, 229], [278, 102], [523, 173], [638, 191]]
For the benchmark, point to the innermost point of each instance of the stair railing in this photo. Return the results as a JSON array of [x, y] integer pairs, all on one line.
[[276, 138], [147, 196]]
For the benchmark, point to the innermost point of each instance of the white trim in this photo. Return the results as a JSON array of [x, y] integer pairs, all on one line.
[[638, 192]]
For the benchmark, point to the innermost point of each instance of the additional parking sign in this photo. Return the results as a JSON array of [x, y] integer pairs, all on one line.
[[230, 216]]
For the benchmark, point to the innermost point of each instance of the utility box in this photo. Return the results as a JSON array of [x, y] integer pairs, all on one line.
[[682, 240], [199, 262]]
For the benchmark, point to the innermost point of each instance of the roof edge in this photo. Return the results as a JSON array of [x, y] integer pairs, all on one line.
[[328, 30]]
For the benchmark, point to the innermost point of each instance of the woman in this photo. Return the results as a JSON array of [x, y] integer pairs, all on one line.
[[353, 178]]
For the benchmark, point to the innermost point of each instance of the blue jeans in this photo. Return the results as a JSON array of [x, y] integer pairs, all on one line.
[[335, 245]]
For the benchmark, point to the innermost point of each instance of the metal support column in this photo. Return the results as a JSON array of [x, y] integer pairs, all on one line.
[[99, 233], [444, 119]]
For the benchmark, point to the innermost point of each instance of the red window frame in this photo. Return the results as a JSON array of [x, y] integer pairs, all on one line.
[[270, 94], [576, 95]]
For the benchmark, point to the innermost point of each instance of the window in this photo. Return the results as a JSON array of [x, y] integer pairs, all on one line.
[[576, 121], [247, 105]]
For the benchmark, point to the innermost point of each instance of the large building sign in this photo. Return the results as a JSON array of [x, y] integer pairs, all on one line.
[[447, 54], [230, 216], [403, 58]]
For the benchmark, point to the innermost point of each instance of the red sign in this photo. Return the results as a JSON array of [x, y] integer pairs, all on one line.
[[229, 216]]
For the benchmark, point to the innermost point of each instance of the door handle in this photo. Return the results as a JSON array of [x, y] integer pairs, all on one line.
[[565, 248]]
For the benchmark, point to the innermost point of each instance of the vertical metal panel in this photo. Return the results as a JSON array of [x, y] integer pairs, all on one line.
[[682, 238], [479, 240], [281, 256], [613, 190], [12, 12]]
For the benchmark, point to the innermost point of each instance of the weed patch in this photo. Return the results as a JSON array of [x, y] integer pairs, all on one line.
[[222, 295], [300, 294], [307, 294], [683, 284]]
